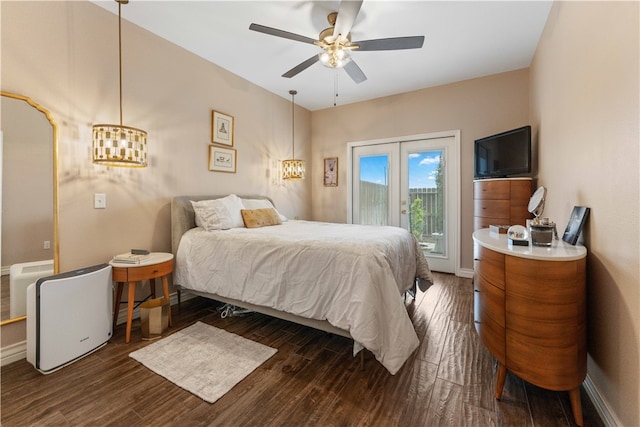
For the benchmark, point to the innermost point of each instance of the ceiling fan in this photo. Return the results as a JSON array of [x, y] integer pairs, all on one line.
[[336, 43]]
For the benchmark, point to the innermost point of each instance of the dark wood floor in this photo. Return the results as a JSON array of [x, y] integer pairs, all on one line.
[[312, 380]]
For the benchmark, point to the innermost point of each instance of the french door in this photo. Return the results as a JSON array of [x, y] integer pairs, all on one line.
[[411, 183]]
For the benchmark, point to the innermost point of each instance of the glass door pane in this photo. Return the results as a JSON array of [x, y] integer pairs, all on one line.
[[374, 190], [375, 184], [426, 200], [428, 193]]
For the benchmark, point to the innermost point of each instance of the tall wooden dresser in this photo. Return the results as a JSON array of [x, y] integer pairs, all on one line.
[[501, 201], [530, 312]]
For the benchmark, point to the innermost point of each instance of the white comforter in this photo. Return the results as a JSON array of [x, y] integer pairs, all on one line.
[[349, 275]]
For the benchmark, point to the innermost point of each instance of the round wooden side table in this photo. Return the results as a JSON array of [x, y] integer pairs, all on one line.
[[157, 265]]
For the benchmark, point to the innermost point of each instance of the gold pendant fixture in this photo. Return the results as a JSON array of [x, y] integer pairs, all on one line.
[[293, 169], [118, 145]]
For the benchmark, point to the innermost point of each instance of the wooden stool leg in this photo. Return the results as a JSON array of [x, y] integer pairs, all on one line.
[[576, 405], [165, 293], [152, 285], [116, 307], [130, 303], [500, 378]]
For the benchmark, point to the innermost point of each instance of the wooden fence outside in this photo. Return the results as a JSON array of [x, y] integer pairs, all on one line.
[[374, 207]]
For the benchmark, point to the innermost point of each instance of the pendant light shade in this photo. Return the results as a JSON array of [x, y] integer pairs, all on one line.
[[118, 145], [293, 169]]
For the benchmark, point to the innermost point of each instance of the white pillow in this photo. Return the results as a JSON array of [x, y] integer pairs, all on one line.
[[219, 214], [261, 204]]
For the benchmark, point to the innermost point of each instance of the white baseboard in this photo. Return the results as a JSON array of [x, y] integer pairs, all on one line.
[[604, 409], [18, 351], [13, 353], [466, 273]]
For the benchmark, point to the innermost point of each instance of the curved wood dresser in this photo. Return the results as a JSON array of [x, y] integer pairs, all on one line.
[[530, 312]]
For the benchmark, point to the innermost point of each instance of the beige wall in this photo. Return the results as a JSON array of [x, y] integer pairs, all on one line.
[[478, 107], [64, 56], [584, 104]]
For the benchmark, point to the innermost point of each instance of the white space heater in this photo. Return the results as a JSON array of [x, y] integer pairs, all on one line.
[[68, 316]]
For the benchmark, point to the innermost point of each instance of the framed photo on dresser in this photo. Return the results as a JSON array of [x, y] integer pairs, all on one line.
[[577, 219]]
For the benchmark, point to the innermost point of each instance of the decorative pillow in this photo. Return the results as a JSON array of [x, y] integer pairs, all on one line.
[[219, 214], [261, 204], [255, 218]]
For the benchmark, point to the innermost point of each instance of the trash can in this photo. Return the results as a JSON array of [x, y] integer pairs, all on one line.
[[154, 317]]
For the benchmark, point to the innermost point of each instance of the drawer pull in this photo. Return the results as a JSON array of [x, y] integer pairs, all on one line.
[[477, 322], [476, 290], [154, 271]]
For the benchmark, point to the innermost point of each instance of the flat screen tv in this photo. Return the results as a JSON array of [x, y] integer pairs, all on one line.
[[505, 154]]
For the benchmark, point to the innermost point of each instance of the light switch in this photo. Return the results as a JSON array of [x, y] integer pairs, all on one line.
[[99, 201]]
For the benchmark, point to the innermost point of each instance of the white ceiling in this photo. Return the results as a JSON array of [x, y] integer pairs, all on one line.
[[463, 40]]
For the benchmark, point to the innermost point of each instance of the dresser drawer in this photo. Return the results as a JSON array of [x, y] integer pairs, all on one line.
[[492, 208], [490, 301], [521, 191], [489, 265], [136, 274], [498, 189], [492, 336]]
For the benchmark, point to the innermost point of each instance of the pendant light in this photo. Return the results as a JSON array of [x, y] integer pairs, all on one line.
[[118, 145], [293, 169]]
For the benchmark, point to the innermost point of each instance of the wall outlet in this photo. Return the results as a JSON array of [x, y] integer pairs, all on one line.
[[99, 201], [47, 244]]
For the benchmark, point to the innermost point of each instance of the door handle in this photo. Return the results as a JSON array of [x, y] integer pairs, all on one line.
[[403, 211]]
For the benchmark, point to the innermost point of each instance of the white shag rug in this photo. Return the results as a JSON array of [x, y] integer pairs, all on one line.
[[203, 359]]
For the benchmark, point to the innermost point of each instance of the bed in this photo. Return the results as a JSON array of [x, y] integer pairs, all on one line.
[[341, 278]]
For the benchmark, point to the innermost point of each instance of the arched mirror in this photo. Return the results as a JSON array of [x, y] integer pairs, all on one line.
[[29, 236]]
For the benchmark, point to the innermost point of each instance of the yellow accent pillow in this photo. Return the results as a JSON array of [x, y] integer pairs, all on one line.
[[254, 218]]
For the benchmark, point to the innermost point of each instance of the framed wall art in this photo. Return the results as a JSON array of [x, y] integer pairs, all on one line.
[[578, 217], [331, 172], [221, 128], [222, 159]]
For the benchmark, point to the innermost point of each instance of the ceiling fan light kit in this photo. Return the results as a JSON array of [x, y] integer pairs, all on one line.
[[336, 44], [334, 57]]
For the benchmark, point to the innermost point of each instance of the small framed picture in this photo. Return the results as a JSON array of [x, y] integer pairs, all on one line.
[[331, 172], [221, 128], [576, 222], [222, 159]]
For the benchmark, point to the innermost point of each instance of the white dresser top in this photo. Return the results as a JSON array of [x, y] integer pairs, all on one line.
[[558, 251]]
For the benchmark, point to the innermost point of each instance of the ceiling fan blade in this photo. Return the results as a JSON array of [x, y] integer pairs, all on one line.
[[346, 17], [280, 33], [355, 72], [301, 67], [394, 43]]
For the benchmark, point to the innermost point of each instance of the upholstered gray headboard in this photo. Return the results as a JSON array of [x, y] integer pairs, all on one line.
[[183, 217]]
